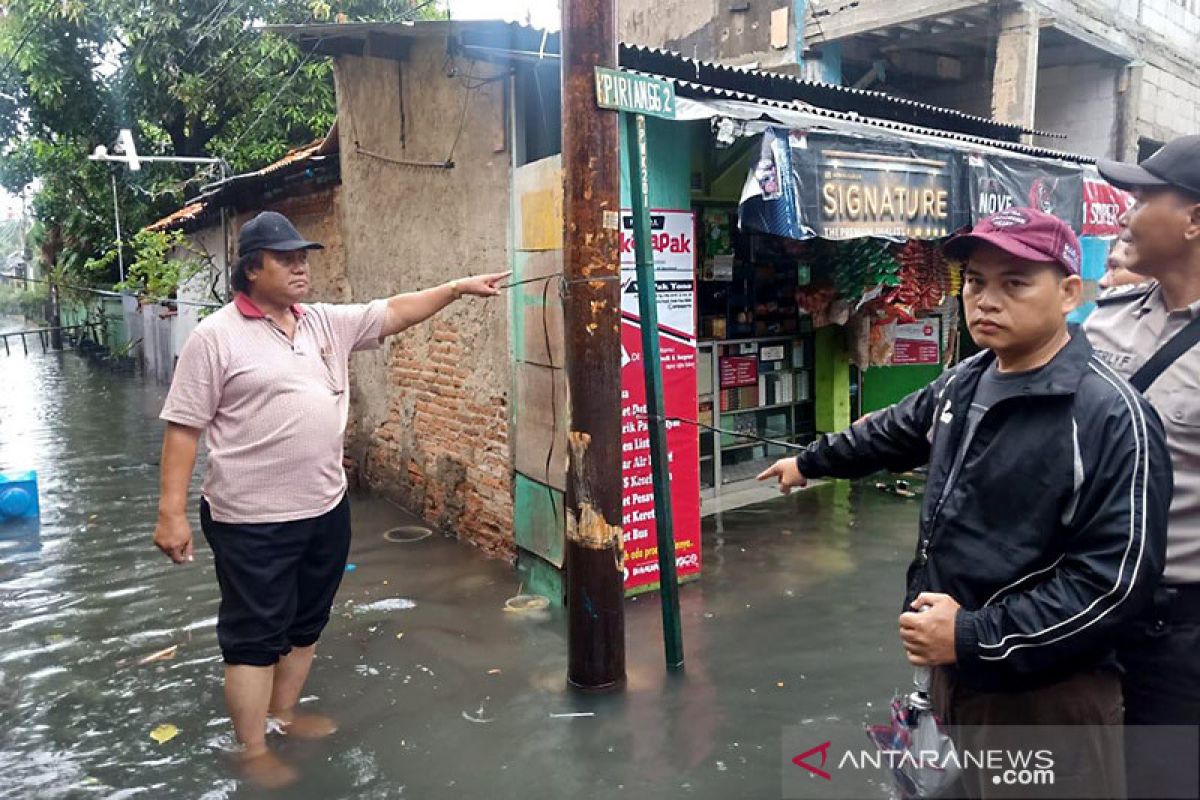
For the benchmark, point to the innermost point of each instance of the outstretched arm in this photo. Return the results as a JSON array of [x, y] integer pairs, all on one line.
[[410, 308]]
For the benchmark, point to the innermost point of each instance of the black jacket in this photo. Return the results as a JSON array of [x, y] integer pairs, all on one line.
[[1053, 535]]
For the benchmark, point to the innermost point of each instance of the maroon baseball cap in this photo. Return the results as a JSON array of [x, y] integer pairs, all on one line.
[[1025, 233]]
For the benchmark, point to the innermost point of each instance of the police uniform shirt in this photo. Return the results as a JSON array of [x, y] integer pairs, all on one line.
[[1129, 326]]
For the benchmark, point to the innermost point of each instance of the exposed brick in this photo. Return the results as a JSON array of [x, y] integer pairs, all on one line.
[[448, 457]]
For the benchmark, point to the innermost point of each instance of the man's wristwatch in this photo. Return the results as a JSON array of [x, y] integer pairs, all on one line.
[[455, 292]]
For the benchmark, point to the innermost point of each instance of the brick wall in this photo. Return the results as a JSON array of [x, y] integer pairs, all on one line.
[[1178, 21], [444, 444], [434, 422], [1080, 101], [1170, 104]]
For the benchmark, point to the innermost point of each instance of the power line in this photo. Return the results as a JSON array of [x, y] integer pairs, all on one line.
[[278, 94], [110, 293], [21, 45]]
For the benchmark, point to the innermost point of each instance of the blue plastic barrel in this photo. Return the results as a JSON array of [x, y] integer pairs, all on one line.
[[18, 495]]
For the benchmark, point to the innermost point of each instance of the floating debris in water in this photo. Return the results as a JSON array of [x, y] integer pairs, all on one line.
[[573, 715], [164, 733], [478, 718], [351, 567], [527, 604], [166, 654], [390, 604]]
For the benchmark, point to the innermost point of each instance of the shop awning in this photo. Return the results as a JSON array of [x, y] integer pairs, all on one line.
[[837, 178]]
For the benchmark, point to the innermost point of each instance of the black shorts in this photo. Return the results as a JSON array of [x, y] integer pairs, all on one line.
[[277, 581]]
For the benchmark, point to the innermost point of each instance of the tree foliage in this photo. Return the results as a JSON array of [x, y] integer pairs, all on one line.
[[162, 260], [188, 77]]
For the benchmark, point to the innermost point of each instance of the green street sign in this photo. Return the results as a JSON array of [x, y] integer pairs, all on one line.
[[636, 94]]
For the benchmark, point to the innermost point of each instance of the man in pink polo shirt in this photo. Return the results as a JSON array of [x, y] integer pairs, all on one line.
[[266, 379]]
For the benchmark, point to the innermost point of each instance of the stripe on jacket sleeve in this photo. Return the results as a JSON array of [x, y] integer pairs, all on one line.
[[1137, 536]]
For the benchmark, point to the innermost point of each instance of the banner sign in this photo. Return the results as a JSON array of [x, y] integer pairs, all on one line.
[[917, 342], [738, 371], [999, 182], [1103, 205], [673, 238], [844, 187]]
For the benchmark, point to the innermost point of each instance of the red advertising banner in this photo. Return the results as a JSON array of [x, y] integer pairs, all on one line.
[[917, 343], [1103, 205], [675, 292], [738, 371]]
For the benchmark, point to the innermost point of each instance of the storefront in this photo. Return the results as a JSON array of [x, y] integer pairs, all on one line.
[[800, 283], [817, 282]]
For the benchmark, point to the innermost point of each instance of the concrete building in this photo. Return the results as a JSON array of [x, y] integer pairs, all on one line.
[[1113, 78]]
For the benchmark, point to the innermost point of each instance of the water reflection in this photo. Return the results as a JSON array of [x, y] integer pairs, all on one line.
[[18, 536], [793, 620]]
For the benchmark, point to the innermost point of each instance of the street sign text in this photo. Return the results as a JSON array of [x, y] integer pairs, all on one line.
[[636, 94]]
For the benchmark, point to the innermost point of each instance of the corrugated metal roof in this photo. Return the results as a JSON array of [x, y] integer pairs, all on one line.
[[834, 97], [699, 90], [177, 218], [523, 40], [208, 203]]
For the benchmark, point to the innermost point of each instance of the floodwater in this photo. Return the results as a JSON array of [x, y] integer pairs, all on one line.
[[441, 693]]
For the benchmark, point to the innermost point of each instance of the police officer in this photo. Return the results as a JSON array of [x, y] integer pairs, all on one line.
[[1149, 334]]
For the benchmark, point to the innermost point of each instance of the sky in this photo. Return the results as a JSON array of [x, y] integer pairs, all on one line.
[[545, 13], [10, 205]]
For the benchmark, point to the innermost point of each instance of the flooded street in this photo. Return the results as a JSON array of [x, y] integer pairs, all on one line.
[[441, 693]]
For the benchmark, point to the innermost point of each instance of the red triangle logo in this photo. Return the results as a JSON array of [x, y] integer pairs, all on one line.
[[802, 760]]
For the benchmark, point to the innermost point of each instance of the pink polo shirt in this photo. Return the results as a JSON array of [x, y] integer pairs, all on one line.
[[274, 410]]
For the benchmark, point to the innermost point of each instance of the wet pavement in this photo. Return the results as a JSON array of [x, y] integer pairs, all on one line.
[[441, 692]]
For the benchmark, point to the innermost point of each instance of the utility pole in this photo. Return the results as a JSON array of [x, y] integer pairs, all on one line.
[[591, 264], [56, 337], [117, 218]]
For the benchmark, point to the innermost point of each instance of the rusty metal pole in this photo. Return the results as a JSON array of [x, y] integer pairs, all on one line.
[[594, 560]]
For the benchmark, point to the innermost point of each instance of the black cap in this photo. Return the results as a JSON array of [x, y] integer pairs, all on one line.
[[271, 230], [1176, 165]]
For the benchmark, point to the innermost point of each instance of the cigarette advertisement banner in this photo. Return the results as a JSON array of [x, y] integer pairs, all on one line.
[[917, 342], [999, 182], [673, 237], [1103, 205], [844, 187]]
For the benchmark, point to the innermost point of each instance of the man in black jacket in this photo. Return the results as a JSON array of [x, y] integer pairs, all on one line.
[[1043, 528]]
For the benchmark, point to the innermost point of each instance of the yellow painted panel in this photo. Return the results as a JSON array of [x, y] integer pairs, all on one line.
[[541, 220]]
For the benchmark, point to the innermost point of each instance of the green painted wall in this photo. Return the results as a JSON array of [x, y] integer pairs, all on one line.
[[831, 379], [539, 512], [883, 386], [669, 145]]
